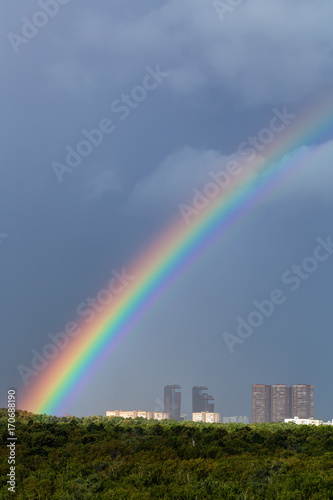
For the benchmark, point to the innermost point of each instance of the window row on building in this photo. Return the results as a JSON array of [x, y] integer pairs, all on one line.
[[137, 414]]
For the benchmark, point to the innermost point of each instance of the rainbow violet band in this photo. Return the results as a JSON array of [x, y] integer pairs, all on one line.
[[165, 260]]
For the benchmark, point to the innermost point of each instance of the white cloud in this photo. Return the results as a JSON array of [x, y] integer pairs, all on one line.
[[175, 178], [263, 52], [315, 176], [309, 177]]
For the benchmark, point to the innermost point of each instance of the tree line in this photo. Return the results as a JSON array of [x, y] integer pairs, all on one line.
[[114, 458]]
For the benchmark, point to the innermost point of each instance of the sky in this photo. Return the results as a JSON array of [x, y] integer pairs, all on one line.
[[215, 74]]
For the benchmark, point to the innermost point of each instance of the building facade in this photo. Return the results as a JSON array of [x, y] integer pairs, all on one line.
[[138, 414], [261, 403], [281, 402], [201, 400], [235, 420], [305, 421], [172, 401], [206, 416], [303, 401]]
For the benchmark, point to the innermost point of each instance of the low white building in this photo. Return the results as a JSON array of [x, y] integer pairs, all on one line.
[[205, 416], [235, 420], [156, 415], [303, 421]]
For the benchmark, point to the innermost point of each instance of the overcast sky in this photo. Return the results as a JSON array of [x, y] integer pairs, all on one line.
[[216, 76]]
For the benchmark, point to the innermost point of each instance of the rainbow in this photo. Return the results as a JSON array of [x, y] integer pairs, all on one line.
[[168, 257]]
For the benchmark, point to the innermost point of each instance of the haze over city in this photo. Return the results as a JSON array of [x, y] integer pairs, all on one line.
[[165, 95]]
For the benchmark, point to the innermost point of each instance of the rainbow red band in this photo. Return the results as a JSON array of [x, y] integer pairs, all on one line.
[[161, 264]]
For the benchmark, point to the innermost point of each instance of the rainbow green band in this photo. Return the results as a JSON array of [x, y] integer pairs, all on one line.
[[54, 388]]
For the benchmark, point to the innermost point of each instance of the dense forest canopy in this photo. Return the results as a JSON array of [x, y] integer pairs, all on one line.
[[112, 458]]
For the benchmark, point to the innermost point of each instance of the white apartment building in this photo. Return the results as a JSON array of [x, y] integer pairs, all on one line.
[[306, 421], [138, 413], [205, 416], [235, 420]]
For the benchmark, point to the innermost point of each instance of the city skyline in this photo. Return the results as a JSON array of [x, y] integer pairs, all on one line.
[[270, 403]]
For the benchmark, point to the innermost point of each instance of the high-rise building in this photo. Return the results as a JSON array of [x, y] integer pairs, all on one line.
[[201, 400], [303, 401], [281, 402], [172, 400], [261, 403]]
